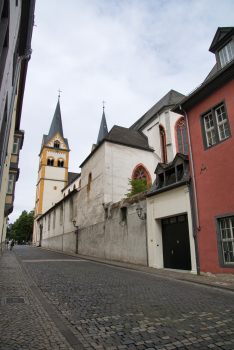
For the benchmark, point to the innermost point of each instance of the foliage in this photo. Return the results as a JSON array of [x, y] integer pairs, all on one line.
[[137, 186], [22, 228]]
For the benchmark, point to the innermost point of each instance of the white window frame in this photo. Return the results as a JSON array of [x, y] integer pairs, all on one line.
[[223, 123], [10, 184], [226, 54], [230, 229], [210, 130], [16, 145]]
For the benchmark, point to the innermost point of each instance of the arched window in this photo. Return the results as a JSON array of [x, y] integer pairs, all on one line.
[[69, 191], [74, 187], [50, 161], [163, 144], [79, 183], [64, 195], [180, 136], [55, 187], [60, 163], [89, 182], [140, 172], [56, 144]]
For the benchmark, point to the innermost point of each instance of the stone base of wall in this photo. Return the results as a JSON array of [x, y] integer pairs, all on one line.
[[111, 239]]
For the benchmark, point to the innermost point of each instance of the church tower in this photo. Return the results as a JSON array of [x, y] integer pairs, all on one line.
[[53, 166], [103, 130]]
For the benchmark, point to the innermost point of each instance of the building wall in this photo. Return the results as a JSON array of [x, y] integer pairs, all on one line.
[[120, 162], [214, 184], [112, 238], [167, 119], [6, 90], [163, 205]]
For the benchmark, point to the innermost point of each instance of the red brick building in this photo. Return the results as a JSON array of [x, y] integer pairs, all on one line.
[[209, 111]]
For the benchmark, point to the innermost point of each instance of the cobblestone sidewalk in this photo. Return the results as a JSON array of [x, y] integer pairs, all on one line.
[[24, 325]]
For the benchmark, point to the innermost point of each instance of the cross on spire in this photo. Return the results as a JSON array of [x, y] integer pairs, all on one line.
[[59, 93], [103, 104]]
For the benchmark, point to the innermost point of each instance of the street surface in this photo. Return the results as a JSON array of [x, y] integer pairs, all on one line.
[[73, 303]]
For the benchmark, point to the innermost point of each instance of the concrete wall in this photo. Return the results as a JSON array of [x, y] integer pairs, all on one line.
[[112, 238]]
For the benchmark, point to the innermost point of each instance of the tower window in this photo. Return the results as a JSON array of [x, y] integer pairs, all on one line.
[[56, 144], [163, 144], [180, 135], [50, 161], [60, 163]]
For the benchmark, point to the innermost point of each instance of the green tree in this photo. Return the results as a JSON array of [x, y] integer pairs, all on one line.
[[22, 228], [137, 186]]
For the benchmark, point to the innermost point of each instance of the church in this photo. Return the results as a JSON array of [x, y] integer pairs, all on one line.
[[85, 212], [182, 146]]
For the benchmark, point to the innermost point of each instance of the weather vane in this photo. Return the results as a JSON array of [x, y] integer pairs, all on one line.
[[59, 93], [103, 104]]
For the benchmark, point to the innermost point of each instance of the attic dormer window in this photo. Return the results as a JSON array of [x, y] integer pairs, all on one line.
[[56, 144], [226, 54]]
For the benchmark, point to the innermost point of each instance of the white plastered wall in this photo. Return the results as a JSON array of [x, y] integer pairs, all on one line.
[[120, 162], [54, 177], [168, 119], [160, 206]]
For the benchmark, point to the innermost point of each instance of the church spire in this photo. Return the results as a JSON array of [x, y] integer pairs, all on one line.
[[56, 125], [103, 131]]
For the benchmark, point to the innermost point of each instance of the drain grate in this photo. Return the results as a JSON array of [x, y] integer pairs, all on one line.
[[15, 300]]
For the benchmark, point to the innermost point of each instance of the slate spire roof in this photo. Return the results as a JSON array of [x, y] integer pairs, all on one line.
[[103, 131], [56, 126]]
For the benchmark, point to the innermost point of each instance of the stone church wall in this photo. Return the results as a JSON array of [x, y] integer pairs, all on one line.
[[114, 238]]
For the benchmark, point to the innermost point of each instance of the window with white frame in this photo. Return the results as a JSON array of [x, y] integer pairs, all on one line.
[[226, 54], [227, 239], [10, 185], [15, 145], [209, 128], [222, 124], [56, 144], [215, 126]]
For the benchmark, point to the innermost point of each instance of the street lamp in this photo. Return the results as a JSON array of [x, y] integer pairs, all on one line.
[[74, 224], [139, 213]]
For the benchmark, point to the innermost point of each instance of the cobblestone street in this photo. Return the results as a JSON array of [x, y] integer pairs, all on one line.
[[74, 303]]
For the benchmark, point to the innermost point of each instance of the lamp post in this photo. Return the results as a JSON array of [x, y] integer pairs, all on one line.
[[76, 232]]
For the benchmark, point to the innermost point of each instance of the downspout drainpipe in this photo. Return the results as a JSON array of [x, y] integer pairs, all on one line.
[[27, 56], [192, 168], [146, 236]]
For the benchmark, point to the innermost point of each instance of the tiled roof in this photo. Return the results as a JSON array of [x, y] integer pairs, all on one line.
[[128, 137], [170, 99]]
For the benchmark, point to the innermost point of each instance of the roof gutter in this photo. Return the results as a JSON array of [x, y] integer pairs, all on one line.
[[27, 56], [192, 168]]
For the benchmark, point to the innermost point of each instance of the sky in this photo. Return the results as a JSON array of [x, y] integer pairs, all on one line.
[[128, 53]]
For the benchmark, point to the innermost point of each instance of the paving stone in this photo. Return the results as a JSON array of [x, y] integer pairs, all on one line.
[[111, 308]]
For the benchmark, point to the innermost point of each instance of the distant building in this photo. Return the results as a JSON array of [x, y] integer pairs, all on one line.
[[16, 22]]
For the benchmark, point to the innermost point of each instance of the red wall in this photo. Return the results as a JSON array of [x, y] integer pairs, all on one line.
[[215, 187]]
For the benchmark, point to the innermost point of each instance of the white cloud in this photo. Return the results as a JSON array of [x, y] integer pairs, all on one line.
[[129, 53]]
